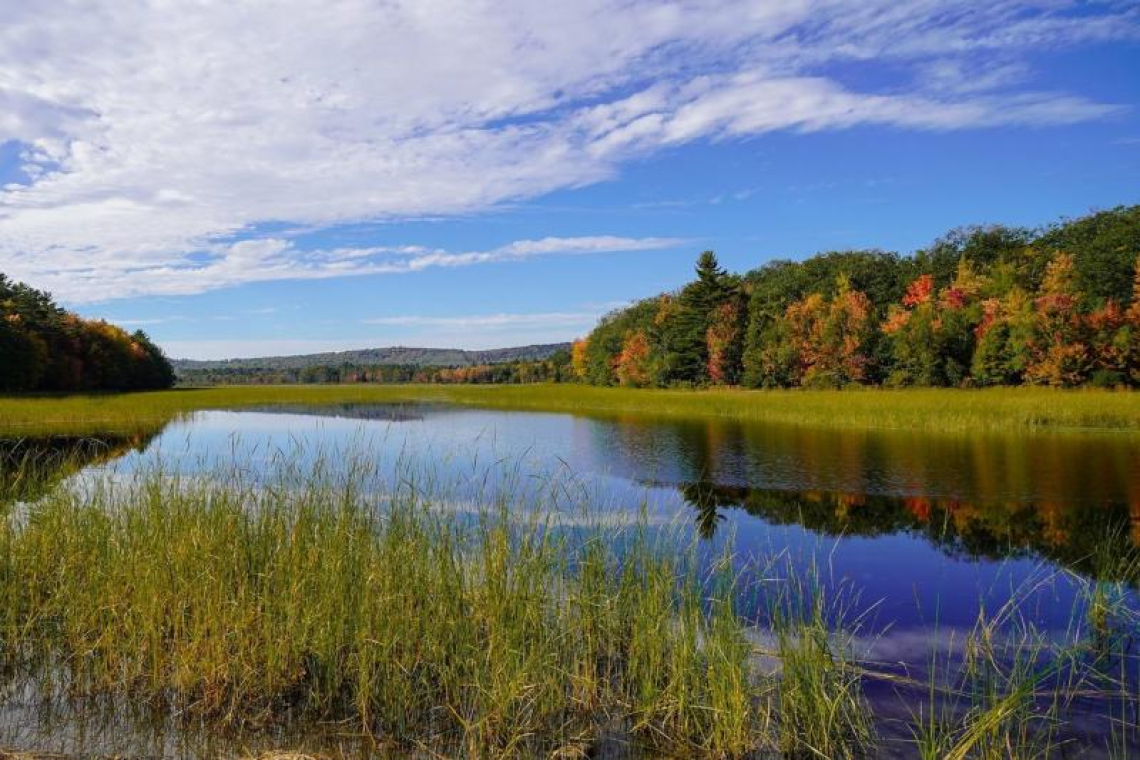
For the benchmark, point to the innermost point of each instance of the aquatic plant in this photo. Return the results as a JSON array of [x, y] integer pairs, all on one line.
[[498, 625]]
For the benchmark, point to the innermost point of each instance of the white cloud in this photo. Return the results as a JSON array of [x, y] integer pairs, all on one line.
[[94, 278], [154, 132]]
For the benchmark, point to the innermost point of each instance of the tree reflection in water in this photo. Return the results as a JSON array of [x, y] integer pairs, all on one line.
[[1073, 535], [1071, 499], [31, 467]]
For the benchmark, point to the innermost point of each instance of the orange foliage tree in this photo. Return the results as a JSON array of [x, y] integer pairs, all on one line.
[[632, 365], [931, 334], [578, 357], [822, 342], [1059, 353], [725, 339]]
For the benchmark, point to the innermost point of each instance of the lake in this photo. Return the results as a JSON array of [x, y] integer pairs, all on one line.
[[921, 530]]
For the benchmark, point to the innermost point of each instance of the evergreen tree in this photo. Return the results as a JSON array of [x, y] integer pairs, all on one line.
[[686, 337]]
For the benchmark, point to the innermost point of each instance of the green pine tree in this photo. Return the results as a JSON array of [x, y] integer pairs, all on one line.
[[685, 346]]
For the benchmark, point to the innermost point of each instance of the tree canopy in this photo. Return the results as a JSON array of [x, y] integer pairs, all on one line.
[[43, 347], [980, 306]]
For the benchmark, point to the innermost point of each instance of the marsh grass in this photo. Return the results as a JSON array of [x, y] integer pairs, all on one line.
[[997, 410], [491, 625], [813, 628], [1015, 688], [246, 602]]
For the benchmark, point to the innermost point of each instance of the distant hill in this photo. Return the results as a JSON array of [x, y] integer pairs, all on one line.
[[394, 355]]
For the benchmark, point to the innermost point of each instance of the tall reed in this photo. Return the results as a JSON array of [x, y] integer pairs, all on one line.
[[484, 624], [247, 601]]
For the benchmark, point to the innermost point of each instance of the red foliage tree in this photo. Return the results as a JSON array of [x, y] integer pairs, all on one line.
[[725, 343]]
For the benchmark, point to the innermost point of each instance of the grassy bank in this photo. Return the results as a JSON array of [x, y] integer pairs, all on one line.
[[933, 410], [472, 628]]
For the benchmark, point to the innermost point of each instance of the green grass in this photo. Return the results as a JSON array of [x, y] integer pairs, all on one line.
[[932, 410], [311, 593], [306, 595]]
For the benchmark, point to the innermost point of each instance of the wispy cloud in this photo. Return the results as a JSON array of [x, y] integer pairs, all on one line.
[[153, 135], [88, 279]]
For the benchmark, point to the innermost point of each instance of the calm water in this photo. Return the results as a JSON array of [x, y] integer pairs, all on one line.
[[926, 528]]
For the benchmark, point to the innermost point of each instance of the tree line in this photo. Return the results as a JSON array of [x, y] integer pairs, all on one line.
[[44, 347], [981, 306], [554, 369]]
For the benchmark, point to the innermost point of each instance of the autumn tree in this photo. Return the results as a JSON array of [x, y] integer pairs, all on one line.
[[911, 327], [788, 350], [842, 356], [724, 341], [23, 354], [1005, 338], [1104, 247], [578, 358], [931, 333], [44, 347], [1059, 352], [1108, 336], [632, 364], [820, 341], [984, 305], [1129, 333], [606, 341]]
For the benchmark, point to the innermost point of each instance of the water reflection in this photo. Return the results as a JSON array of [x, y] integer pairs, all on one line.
[[399, 412], [1072, 499], [1086, 539], [31, 467]]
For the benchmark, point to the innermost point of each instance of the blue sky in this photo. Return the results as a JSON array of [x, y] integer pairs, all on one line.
[[241, 182]]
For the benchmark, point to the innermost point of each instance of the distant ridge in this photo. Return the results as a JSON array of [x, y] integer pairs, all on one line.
[[393, 355]]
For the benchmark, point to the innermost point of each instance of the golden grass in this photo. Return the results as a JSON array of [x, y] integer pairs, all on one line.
[[930, 410]]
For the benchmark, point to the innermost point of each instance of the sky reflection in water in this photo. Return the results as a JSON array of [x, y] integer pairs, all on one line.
[[923, 526]]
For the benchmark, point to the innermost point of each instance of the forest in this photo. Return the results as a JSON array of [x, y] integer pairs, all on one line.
[[982, 306], [44, 347], [553, 369]]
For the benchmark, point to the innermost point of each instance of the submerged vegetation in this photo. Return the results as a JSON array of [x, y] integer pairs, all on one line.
[[488, 627]]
